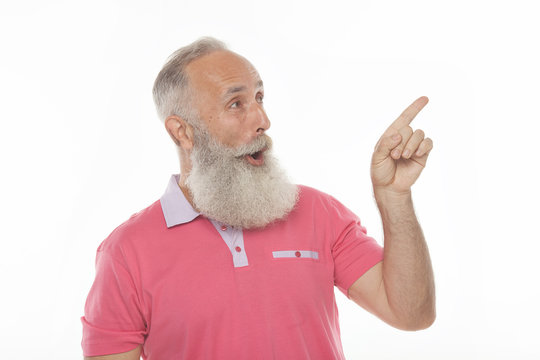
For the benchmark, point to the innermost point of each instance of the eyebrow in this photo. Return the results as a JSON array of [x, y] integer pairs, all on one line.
[[237, 89]]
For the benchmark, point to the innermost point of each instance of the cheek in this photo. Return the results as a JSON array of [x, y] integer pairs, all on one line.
[[224, 133], [229, 130]]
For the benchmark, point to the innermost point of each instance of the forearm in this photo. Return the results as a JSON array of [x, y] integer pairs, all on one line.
[[407, 271]]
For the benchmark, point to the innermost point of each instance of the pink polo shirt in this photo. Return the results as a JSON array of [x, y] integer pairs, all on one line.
[[186, 287]]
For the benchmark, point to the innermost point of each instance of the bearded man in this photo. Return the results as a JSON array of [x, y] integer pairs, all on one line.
[[236, 262]]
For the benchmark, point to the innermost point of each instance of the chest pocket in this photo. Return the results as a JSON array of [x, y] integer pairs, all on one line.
[[296, 254]]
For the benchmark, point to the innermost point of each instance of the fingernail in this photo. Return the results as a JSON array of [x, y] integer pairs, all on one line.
[[395, 153], [395, 137], [418, 153], [406, 153]]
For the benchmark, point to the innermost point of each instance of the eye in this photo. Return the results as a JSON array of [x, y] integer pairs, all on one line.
[[235, 104], [260, 98]]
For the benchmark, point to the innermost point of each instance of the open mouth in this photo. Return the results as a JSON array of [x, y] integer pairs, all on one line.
[[256, 158]]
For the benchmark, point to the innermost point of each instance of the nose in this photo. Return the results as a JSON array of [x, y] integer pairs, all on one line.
[[258, 119]]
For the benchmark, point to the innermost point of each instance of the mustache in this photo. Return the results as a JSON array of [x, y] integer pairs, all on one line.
[[262, 142]]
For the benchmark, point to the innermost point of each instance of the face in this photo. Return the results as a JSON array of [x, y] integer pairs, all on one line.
[[233, 177], [229, 99]]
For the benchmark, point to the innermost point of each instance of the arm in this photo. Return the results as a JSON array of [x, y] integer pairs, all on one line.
[[114, 320], [134, 354], [400, 290]]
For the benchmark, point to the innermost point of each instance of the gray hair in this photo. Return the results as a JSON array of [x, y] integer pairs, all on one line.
[[172, 94]]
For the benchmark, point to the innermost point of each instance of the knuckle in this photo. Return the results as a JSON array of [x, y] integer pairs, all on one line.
[[382, 144]]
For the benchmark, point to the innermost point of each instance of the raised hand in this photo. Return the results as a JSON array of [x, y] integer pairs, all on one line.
[[401, 153]]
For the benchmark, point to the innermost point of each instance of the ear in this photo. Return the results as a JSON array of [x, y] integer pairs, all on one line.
[[179, 131]]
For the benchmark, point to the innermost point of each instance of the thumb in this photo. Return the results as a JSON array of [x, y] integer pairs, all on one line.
[[385, 145]]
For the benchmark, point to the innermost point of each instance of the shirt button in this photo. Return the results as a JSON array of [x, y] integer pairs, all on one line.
[[238, 249], [224, 227], [297, 254]]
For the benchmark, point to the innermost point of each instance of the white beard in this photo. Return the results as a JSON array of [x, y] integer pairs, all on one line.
[[226, 188]]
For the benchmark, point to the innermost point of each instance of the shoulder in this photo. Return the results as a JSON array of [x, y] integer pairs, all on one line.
[[311, 195], [136, 228], [320, 202]]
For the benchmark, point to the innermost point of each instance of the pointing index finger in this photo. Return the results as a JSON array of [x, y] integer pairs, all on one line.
[[409, 113]]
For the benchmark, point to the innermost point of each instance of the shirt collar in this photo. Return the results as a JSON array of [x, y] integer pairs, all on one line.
[[176, 209]]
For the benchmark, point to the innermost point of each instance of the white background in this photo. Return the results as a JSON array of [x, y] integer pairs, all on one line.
[[81, 148]]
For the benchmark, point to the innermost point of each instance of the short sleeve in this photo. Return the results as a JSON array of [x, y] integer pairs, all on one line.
[[113, 321], [354, 252]]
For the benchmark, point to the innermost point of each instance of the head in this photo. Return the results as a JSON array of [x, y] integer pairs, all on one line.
[[213, 110]]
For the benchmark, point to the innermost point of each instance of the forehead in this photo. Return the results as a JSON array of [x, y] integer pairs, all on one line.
[[219, 70]]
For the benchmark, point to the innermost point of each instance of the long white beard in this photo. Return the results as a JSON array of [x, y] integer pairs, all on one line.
[[226, 188]]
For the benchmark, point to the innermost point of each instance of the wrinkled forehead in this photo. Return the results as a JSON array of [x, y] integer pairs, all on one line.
[[221, 69]]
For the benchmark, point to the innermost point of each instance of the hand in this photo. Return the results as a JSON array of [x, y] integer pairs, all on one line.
[[400, 154]]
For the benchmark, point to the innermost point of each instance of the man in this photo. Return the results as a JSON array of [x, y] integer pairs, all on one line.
[[234, 261]]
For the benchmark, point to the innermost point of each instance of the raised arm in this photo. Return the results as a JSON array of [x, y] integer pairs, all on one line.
[[400, 290]]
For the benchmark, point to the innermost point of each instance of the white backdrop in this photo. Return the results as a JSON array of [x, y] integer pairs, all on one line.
[[81, 148]]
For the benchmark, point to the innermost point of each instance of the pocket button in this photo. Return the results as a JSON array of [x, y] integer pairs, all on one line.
[[297, 254]]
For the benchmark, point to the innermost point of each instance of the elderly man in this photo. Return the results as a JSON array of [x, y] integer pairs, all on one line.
[[234, 261]]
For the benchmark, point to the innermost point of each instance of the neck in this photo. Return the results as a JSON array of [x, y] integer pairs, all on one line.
[[185, 190]]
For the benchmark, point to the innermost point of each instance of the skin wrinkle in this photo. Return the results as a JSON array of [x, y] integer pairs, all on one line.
[[210, 77], [237, 89]]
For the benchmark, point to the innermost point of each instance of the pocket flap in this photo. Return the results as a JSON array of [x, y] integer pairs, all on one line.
[[296, 254]]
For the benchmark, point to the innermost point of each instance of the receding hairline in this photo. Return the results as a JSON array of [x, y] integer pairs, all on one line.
[[215, 52], [189, 68]]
